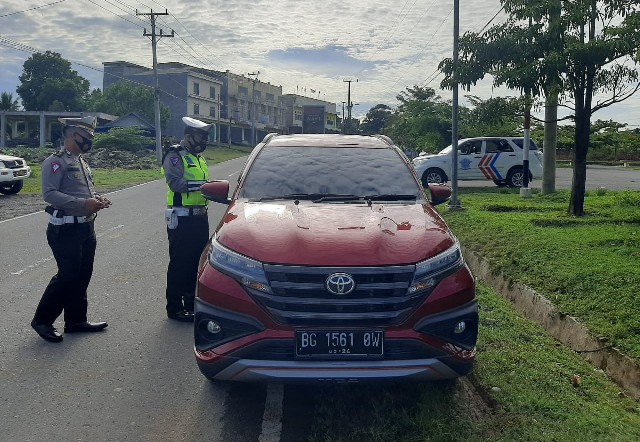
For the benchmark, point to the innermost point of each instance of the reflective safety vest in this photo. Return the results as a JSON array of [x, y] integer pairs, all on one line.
[[195, 169]]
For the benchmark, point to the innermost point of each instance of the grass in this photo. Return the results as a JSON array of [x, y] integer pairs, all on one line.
[[588, 266], [525, 377], [112, 179]]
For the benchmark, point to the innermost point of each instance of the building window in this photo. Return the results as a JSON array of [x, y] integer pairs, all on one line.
[[297, 115], [196, 88], [243, 91], [212, 111], [196, 109], [270, 98], [212, 92]]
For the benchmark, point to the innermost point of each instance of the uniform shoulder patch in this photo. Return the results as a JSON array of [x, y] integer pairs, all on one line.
[[55, 166], [174, 160]]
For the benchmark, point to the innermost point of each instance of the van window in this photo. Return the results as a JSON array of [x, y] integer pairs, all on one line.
[[520, 143]]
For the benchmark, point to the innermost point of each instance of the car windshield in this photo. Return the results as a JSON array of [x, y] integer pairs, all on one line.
[[324, 174]]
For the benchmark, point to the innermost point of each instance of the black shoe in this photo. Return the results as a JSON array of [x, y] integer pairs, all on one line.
[[85, 327], [182, 316], [47, 332]]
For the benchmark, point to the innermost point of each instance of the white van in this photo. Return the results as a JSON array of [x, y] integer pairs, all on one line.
[[498, 159]]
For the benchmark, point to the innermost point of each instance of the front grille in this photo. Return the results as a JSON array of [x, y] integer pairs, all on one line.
[[300, 297]]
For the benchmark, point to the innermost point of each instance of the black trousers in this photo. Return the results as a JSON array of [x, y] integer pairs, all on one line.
[[74, 248], [186, 243]]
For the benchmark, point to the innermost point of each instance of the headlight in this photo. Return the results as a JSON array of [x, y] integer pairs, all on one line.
[[428, 271], [246, 271]]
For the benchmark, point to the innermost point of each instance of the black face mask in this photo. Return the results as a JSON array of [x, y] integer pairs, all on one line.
[[85, 145], [198, 143]]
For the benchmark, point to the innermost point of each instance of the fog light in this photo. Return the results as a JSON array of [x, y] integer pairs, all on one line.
[[213, 327], [460, 327]]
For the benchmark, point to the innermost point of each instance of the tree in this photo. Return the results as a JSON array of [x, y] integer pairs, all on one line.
[[591, 49], [7, 103], [125, 97], [494, 116], [47, 77], [123, 138], [376, 119], [422, 120]]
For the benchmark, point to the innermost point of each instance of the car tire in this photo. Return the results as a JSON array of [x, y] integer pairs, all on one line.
[[12, 188], [515, 177], [433, 175], [500, 183]]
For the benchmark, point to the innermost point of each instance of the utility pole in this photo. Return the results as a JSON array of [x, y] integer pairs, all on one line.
[[154, 41], [342, 128], [253, 104], [453, 203], [349, 103]]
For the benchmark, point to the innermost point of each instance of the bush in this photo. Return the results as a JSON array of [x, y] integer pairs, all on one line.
[[122, 138]]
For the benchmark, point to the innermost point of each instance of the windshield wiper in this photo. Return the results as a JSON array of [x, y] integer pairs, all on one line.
[[302, 196], [390, 197]]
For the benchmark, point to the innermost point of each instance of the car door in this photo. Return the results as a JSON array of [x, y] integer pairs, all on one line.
[[469, 156], [497, 157]]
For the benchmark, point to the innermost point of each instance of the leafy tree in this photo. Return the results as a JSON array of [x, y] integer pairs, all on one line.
[[125, 97], [376, 119], [47, 77], [422, 120], [7, 103], [587, 50], [494, 116]]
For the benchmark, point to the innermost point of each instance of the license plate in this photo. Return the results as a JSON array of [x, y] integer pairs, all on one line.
[[337, 343], [20, 173]]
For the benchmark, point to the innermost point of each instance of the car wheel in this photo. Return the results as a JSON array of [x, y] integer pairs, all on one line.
[[515, 177], [433, 175], [500, 183], [12, 188]]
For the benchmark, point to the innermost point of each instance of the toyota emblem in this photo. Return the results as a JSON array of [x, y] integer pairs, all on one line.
[[340, 284]]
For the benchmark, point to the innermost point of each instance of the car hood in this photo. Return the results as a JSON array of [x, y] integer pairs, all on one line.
[[328, 234]]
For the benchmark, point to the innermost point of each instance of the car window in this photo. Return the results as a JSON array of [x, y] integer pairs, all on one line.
[[493, 146], [470, 148], [520, 143], [279, 171]]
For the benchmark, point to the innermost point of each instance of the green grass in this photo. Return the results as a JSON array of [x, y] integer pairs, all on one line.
[[525, 377], [589, 267], [112, 179]]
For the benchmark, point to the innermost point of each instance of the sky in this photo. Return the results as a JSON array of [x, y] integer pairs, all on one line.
[[383, 47]]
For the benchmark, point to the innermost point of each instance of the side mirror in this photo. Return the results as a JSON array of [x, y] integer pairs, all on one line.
[[440, 193], [217, 191]]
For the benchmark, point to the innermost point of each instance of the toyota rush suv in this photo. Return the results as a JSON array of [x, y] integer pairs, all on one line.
[[331, 264], [498, 159], [13, 172]]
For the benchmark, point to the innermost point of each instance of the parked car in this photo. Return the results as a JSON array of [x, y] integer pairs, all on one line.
[[13, 170], [331, 264], [487, 158]]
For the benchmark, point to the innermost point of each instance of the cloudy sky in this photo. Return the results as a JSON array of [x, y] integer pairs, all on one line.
[[299, 44]]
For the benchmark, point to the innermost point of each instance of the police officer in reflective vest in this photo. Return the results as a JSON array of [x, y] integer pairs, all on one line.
[[67, 185], [185, 171]]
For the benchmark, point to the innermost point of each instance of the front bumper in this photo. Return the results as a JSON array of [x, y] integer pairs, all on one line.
[[252, 353], [8, 176]]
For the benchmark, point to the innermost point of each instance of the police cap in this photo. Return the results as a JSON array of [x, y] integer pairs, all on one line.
[[193, 125], [86, 123]]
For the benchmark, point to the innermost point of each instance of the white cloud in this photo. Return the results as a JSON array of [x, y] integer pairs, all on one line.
[[387, 46]]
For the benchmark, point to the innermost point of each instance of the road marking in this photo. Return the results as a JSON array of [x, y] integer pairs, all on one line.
[[272, 417], [43, 260]]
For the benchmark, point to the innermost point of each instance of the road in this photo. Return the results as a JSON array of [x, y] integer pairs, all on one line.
[[137, 380]]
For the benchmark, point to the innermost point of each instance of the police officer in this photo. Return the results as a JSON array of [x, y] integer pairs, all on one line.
[[67, 185], [185, 171]]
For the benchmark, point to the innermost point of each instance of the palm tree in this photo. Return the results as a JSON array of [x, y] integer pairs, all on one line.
[[7, 103]]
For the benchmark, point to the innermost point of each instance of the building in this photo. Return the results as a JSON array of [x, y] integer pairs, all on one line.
[[243, 109]]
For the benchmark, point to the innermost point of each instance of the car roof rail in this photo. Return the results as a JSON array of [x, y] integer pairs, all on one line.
[[385, 138], [269, 136]]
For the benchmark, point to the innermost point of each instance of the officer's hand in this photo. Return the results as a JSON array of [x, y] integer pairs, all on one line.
[[105, 201], [92, 205]]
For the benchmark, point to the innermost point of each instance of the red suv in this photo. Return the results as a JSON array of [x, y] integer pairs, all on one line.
[[330, 264]]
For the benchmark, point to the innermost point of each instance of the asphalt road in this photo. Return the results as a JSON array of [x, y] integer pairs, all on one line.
[[136, 381]]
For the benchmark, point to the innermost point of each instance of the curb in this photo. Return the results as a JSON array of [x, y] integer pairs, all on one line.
[[622, 369]]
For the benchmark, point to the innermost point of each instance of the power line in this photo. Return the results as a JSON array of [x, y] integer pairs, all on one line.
[[32, 9]]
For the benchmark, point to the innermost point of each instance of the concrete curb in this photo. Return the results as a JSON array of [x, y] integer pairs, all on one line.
[[622, 369]]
